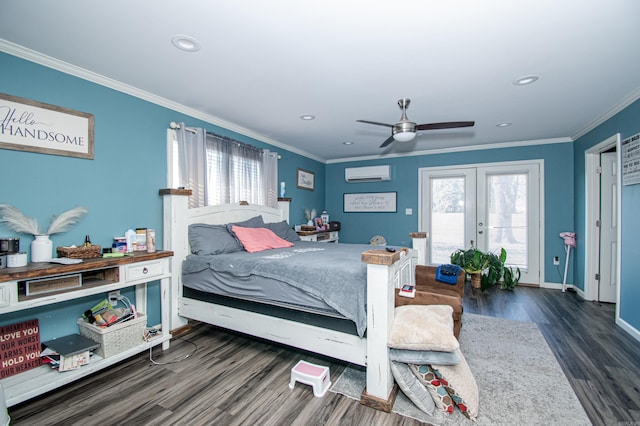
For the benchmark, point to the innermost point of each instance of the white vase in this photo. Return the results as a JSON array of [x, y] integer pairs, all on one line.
[[41, 249]]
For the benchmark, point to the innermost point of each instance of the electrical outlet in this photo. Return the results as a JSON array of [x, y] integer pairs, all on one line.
[[113, 297], [556, 260]]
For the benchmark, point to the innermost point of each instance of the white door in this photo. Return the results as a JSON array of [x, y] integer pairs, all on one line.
[[608, 228], [494, 206]]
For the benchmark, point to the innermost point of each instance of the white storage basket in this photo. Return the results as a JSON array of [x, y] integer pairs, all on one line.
[[118, 337]]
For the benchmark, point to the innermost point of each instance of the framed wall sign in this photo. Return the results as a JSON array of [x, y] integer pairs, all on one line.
[[631, 160], [370, 202], [27, 125], [305, 179]]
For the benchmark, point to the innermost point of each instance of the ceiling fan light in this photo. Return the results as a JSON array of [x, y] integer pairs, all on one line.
[[404, 136]]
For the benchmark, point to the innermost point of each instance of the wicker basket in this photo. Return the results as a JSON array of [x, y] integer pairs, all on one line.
[[79, 252], [117, 338]]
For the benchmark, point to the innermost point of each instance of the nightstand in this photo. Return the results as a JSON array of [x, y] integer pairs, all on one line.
[[320, 236]]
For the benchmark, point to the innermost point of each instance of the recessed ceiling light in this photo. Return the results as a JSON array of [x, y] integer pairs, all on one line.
[[347, 143], [186, 43], [307, 117], [503, 125], [527, 79]]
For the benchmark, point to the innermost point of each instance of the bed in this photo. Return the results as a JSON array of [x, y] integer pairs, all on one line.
[[302, 326]]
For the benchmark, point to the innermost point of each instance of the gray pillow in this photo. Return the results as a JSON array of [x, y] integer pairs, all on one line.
[[424, 357], [284, 231], [412, 387], [254, 222], [212, 239]]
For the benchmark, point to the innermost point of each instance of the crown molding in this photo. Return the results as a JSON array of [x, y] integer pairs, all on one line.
[[67, 68], [622, 104], [499, 145]]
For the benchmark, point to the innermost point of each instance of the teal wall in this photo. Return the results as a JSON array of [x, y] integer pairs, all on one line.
[[627, 123], [119, 186], [395, 227]]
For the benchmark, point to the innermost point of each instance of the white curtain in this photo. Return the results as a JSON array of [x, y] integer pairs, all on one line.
[[221, 170]]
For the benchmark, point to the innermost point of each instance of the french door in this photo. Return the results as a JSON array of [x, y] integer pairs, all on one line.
[[494, 206]]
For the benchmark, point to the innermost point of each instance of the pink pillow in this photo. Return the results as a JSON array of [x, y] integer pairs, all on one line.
[[259, 239]]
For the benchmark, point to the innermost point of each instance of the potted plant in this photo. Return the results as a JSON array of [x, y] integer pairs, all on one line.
[[473, 261], [510, 278], [495, 270], [486, 269]]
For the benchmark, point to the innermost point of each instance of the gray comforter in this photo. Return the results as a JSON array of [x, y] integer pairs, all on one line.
[[332, 272]]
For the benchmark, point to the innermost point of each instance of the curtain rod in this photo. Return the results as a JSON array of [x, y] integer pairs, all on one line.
[[175, 126]]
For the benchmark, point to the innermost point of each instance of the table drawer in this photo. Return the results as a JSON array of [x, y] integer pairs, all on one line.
[[146, 270], [5, 293]]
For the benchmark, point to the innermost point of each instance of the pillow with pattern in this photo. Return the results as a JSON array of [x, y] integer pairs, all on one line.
[[458, 382], [435, 384]]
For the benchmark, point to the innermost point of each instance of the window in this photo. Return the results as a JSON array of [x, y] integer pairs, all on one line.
[[221, 170]]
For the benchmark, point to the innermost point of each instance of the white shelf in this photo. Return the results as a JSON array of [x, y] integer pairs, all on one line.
[[37, 381], [99, 276]]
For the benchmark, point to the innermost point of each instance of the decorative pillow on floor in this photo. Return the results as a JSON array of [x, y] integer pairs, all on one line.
[[423, 328], [436, 386], [424, 357], [411, 386], [459, 383]]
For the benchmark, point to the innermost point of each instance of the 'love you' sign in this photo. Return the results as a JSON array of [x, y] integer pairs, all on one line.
[[19, 348]]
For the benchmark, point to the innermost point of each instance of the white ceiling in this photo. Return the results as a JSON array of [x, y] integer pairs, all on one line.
[[263, 64]]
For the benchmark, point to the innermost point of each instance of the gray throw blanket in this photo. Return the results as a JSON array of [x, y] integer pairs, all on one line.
[[332, 272]]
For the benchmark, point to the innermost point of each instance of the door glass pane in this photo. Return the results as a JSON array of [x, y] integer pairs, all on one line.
[[447, 218], [507, 219]]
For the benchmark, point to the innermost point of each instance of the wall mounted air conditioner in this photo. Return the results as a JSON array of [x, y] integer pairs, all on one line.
[[367, 174]]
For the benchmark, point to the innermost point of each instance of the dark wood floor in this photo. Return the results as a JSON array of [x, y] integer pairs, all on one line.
[[234, 380]]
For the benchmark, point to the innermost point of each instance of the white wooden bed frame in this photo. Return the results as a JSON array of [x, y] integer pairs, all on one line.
[[385, 271]]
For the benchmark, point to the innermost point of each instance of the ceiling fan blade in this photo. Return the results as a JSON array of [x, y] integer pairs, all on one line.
[[446, 125], [387, 142], [375, 122]]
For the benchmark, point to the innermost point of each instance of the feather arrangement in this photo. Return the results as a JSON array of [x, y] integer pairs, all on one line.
[[309, 215], [64, 221], [18, 222]]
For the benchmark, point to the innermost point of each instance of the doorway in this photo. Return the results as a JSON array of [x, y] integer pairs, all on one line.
[[602, 216], [494, 205]]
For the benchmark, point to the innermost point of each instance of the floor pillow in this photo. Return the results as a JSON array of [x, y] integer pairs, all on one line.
[[412, 388]]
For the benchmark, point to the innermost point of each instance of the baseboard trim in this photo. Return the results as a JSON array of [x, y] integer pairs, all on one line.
[[555, 286], [635, 333]]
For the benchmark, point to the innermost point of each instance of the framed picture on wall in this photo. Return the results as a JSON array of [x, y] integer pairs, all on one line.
[[34, 126], [370, 202], [305, 179]]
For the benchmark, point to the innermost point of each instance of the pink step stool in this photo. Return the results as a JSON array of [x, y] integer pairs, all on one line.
[[311, 374]]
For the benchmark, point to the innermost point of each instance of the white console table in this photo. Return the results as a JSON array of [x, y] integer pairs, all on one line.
[[98, 276]]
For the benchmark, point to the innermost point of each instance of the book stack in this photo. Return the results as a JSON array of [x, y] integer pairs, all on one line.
[[69, 352], [407, 291]]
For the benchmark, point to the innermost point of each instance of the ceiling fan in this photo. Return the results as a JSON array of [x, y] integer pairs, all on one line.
[[405, 130]]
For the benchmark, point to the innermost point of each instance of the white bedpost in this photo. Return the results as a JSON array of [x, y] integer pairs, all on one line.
[[420, 244], [175, 204], [284, 207], [380, 391]]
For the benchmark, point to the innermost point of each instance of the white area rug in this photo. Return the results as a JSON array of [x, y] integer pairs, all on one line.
[[519, 379]]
